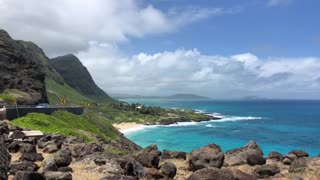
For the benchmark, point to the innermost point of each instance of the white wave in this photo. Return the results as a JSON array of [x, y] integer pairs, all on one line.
[[238, 118], [209, 125], [133, 129], [182, 124], [218, 115], [199, 111]]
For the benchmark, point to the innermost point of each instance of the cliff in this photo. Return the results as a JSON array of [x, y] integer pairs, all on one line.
[[22, 70]]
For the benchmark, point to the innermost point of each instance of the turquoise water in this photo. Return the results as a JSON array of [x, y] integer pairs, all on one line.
[[276, 125]]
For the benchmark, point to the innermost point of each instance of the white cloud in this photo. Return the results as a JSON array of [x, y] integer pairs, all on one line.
[[277, 2], [185, 71], [61, 26]]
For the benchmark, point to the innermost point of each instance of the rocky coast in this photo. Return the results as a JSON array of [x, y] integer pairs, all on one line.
[[54, 156]]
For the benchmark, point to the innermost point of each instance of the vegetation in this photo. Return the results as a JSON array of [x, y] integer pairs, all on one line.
[[123, 112], [78, 77], [67, 124], [57, 91], [6, 97]]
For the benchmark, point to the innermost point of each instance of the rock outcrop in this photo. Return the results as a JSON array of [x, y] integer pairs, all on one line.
[[208, 156], [22, 70]]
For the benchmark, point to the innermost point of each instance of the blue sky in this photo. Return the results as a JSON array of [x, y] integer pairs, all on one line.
[[216, 48], [286, 29]]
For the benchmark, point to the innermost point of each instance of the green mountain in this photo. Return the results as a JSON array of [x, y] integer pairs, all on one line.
[[78, 77], [22, 71]]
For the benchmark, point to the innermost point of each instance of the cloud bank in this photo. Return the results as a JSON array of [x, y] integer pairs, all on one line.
[[60, 26], [188, 71]]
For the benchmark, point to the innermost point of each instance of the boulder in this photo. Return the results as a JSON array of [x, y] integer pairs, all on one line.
[[220, 174], [134, 168], [28, 175], [4, 128], [256, 159], [22, 166], [152, 173], [286, 161], [31, 157], [63, 157], [275, 155], [55, 175], [82, 150], [166, 154], [240, 156], [14, 147], [17, 134], [27, 148], [169, 170], [299, 153], [51, 148], [149, 157], [266, 171], [208, 156], [4, 160], [50, 164], [298, 165]]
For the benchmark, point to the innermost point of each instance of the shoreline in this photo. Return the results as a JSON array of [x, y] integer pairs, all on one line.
[[126, 127]]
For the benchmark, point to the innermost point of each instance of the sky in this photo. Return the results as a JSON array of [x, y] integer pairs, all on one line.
[[217, 48]]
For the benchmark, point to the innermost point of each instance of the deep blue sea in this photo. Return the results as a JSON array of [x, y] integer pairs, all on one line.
[[276, 125]]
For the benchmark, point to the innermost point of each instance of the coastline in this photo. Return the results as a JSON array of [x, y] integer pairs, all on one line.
[[126, 127]]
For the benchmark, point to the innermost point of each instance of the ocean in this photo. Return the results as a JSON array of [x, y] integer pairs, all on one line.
[[276, 125]]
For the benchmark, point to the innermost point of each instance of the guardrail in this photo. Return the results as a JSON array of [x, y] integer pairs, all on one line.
[[12, 113]]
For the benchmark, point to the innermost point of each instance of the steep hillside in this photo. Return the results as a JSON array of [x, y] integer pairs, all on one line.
[[22, 70], [77, 76]]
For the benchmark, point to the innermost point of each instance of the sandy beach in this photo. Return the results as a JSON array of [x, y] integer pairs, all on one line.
[[128, 127]]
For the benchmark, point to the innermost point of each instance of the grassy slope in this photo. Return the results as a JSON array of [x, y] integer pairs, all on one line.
[[57, 91], [68, 124]]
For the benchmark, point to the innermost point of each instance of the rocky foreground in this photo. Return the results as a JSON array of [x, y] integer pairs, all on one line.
[[55, 157]]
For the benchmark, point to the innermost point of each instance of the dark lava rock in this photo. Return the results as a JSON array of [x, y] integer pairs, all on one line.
[[100, 161], [152, 173], [22, 67], [149, 157], [31, 157], [240, 156], [28, 175], [220, 174], [286, 161], [275, 155], [27, 148], [51, 148], [50, 164], [299, 153], [14, 147], [256, 159], [298, 165], [134, 168], [22, 166], [4, 128], [266, 171], [63, 157], [55, 175], [169, 170], [82, 150], [4, 160], [17, 134], [166, 154], [208, 156]]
